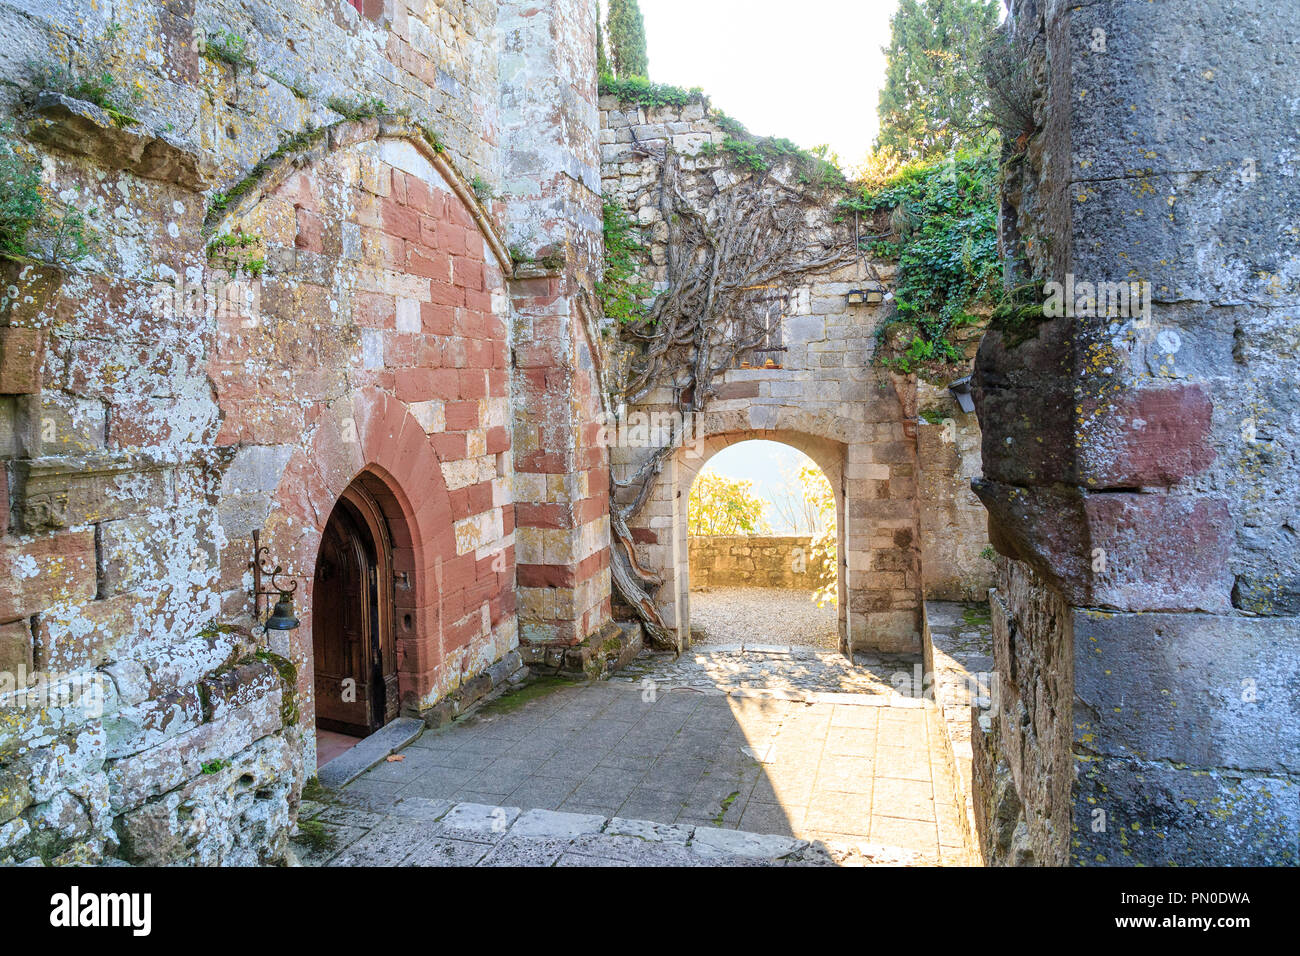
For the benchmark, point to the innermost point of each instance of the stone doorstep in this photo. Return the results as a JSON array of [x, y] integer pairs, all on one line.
[[373, 750], [828, 697]]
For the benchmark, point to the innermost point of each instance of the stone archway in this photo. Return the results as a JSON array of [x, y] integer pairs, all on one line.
[[375, 443], [871, 463], [689, 462]]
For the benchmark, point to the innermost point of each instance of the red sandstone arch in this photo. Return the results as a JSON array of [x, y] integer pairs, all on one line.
[[374, 441]]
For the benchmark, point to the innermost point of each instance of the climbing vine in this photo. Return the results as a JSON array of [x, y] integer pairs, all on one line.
[[620, 289], [943, 235], [736, 247]]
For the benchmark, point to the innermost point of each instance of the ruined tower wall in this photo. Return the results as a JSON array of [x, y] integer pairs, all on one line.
[[551, 181], [1140, 470]]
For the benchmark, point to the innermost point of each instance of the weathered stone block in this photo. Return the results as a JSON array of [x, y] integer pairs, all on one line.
[[236, 687], [57, 492], [1129, 812], [15, 647], [1195, 689], [1123, 550], [45, 571], [21, 353], [149, 723], [85, 129]]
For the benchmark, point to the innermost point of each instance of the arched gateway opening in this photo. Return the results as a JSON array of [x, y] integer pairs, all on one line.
[[764, 550], [352, 638]]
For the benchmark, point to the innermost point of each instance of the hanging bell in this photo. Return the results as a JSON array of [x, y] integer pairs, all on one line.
[[282, 618]]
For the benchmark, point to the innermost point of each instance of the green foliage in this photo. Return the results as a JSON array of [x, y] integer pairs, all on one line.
[[214, 766], [627, 49], [482, 188], [602, 61], [431, 137], [1019, 314], [31, 223], [760, 153], [721, 505], [96, 83], [945, 219], [620, 290], [934, 93], [358, 109], [227, 47], [638, 91], [823, 551], [231, 252], [21, 202]]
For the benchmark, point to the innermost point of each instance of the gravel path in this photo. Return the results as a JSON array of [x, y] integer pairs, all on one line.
[[752, 616]]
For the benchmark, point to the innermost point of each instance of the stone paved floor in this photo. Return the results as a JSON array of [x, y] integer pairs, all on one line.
[[772, 668], [795, 756]]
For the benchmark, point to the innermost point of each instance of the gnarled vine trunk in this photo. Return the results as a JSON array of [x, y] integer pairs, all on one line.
[[738, 244]]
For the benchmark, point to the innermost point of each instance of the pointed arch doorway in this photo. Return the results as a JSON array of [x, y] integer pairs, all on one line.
[[354, 652]]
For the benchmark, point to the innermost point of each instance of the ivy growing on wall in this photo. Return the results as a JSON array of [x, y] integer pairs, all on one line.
[[638, 91], [943, 235], [620, 290]]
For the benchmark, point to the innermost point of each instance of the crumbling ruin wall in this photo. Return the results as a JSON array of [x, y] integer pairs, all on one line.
[[823, 395], [174, 391], [1140, 469]]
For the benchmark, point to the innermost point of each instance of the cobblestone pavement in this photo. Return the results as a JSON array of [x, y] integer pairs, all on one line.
[[859, 775], [723, 615], [772, 668]]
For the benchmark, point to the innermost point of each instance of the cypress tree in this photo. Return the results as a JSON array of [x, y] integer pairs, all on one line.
[[602, 62], [934, 91], [627, 49]]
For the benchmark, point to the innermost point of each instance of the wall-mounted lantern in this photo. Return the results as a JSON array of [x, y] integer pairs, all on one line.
[[282, 617], [960, 390], [870, 294]]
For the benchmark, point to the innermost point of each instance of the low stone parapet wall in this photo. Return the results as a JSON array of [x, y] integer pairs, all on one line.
[[759, 561]]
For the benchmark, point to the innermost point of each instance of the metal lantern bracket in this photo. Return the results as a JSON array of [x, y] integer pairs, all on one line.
[[960, 390], [261, 572]]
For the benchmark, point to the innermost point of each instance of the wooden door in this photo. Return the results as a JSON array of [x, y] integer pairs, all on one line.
[[352, 603]]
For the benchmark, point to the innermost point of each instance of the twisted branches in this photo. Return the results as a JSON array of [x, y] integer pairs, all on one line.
[[737, 246]]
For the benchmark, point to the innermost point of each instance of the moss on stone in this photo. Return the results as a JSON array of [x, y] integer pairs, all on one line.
[[1018, 316], [526, 693], [289, 678]]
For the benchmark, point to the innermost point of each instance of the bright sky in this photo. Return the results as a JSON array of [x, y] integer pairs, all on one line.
[[770, 465], [813, 77]]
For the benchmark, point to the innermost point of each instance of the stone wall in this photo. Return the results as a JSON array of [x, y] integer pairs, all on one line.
[[955, 559], [1140, 469], [552, 183], [856, 420], [754, 561], [163, 398]]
